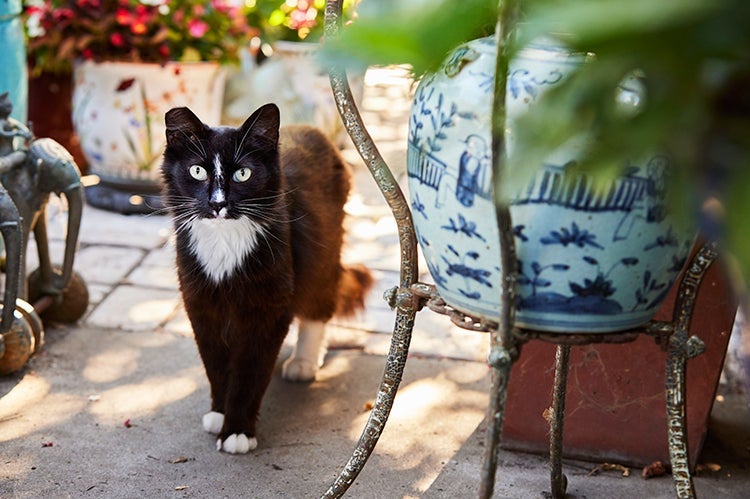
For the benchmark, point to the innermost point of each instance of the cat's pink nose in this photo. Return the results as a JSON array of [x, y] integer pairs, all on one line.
[[219, 208]]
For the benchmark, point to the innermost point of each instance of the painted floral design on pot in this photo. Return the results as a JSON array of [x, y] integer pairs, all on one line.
[[588, 261], [119, 107]]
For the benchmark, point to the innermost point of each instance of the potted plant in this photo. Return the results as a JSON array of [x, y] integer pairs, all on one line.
[[291, 75], [131, 61]]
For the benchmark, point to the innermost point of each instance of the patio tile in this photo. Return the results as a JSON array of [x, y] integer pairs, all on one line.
[[103, 227], [179, 322], [434, 336], [107, 264], [134, 308], [97, 292]]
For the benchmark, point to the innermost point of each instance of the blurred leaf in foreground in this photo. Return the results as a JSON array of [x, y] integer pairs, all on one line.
[[419, 33]]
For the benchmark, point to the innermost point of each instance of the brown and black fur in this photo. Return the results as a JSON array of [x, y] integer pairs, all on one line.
[[300, 185]]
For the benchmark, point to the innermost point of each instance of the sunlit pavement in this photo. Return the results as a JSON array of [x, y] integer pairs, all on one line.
[[111, 407]]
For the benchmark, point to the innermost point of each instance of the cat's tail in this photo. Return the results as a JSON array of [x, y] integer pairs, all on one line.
[[356, 281]]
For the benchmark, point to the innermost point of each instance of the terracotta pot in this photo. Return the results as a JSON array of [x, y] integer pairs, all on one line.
[[615, 408], [299, 85], [51, 110]]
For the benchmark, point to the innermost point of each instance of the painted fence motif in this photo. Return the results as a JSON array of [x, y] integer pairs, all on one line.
[[550, 186]]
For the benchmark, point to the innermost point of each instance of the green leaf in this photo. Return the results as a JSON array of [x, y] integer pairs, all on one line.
[[420, 34]]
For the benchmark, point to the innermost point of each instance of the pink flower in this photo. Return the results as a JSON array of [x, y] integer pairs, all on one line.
[[197, 28]]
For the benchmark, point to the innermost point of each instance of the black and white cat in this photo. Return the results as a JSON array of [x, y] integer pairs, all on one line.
[[258, 215]]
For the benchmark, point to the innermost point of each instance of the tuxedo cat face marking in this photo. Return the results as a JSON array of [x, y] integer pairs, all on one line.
[[217, 197], [223, 186], [221, 245]]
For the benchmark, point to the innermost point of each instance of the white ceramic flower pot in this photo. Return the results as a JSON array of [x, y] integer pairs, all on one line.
[[293, 79], [119, 107], [587, 262]]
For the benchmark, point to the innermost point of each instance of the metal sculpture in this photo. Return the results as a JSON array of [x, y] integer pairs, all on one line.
[[30, 170]]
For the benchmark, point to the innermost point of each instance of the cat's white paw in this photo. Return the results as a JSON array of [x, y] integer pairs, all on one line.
[[237, 443], [297, 369], [213, 421]]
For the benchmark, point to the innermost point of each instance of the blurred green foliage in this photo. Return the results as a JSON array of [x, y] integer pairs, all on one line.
[[691, 56], [415, 32]]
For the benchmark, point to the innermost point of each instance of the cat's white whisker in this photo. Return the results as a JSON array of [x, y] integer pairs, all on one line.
[[191, 143], [246, 154], [238, 144]]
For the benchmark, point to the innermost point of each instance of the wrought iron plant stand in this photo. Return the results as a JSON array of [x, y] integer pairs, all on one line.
[[506, 339]]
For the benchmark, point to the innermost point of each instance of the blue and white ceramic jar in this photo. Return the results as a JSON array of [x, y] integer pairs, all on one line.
[[587, 262]]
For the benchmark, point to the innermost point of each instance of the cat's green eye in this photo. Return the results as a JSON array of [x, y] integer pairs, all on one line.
[[241, 175], [198, 172]]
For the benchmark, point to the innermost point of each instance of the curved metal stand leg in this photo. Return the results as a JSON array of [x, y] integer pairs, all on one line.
[[406, 302], [681, 348], [382, 406], [559, 481]]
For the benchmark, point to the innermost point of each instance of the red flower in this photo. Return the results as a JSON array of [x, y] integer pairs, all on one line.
[[117, 39], [62, 14], [138, 28], [123, 16]]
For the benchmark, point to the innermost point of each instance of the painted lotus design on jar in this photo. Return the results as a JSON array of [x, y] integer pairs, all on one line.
[[588, 260]]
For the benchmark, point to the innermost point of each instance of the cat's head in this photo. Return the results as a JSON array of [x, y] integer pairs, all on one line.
[[221, 172]]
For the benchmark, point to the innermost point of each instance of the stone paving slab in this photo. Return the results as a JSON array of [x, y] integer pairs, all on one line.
[[116, 414], [103, 227], [107, 264], [154, 276], [134, 308]]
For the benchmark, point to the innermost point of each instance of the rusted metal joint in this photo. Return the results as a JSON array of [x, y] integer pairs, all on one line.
[[661, 331], [403, 298], [694, 347], [502, 357]]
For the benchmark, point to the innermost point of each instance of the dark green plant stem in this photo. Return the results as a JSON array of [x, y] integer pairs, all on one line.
[[504, 347]]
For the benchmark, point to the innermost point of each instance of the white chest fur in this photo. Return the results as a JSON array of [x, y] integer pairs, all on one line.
[[222, 244]]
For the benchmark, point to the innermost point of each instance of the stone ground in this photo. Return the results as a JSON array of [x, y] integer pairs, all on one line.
[[111, 406]]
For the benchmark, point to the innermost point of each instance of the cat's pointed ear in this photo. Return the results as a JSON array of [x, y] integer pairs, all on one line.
[[181, 123], [264, 124]]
